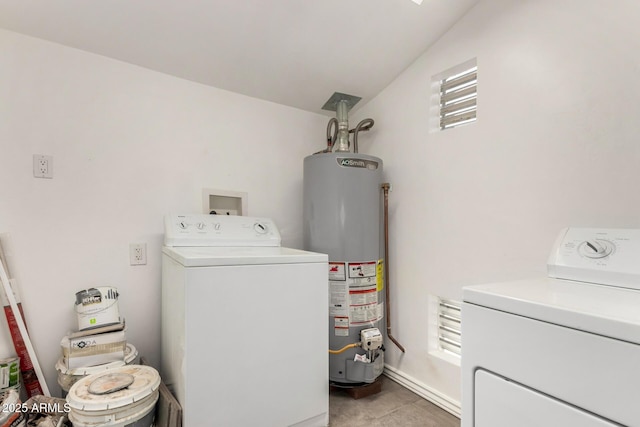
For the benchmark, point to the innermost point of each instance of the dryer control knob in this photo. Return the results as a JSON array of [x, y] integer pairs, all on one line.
[[596, 248]]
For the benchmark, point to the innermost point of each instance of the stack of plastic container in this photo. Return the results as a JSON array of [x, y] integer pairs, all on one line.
[[121, 397], [9, 375], [100, 342]]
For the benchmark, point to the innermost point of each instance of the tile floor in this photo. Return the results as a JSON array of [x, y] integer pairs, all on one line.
[[394, 406]]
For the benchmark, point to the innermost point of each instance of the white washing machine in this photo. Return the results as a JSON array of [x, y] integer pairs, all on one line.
[[244, 336], [562, 350]]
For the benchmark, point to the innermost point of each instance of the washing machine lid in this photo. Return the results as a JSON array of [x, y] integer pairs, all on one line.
[[604, 310], [230, 256]]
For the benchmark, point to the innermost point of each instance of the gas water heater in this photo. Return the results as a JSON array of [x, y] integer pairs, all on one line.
[[342, 219]]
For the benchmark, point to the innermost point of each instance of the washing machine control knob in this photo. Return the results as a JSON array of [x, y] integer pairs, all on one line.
[[260, 228], [183, 225], [217, 226], [201, 225]]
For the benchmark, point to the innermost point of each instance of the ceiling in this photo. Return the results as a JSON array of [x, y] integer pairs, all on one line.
[[291, 52]]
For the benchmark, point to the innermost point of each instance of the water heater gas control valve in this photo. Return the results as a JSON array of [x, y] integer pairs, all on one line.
[[371, 339]]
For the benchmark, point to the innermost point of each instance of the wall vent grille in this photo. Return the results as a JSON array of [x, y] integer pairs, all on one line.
[[458, 98], [450, 326]]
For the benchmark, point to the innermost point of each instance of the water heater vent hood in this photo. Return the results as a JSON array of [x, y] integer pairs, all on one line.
[[332, 103]]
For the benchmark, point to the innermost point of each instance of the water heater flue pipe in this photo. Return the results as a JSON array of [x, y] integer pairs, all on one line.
[[385, 187], [343, 126]]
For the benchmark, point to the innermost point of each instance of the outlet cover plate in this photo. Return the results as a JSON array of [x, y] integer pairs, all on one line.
[[137, 253], [42, 166]]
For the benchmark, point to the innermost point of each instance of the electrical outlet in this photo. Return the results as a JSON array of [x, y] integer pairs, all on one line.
[[216, 211], [137, 253], [42, 166]]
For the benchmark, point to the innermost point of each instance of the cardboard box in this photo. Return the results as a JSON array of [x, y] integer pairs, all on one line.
[[91, 350]]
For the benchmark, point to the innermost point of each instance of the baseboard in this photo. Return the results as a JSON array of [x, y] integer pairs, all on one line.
[[445, 402]]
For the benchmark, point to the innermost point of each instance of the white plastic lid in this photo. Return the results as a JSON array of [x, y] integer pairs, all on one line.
[[110, 383], [146, 380], [87, 370]]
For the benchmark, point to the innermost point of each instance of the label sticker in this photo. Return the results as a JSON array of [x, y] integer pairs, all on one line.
[[337, 271], [362, 269], [338, 299], [353, 294], [365, 314], [363, 293], [341, 326], [380, 274]]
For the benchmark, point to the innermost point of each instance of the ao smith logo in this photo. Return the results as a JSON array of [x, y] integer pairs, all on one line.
[[357, 163], [353, 163]]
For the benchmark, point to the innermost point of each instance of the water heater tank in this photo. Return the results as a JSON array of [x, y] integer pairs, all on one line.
[[342, 219]]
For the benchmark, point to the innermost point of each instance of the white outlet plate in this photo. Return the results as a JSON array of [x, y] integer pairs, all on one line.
[[42, 166], [137, 253]]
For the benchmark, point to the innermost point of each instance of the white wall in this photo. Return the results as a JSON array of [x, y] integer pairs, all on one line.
[[129, 146], [555, 145]]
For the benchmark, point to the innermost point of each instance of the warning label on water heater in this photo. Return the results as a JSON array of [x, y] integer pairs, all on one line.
[[353, 294], [337, 271], [359, 270]]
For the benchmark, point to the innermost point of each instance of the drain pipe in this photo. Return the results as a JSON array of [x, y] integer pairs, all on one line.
[[385, 187]]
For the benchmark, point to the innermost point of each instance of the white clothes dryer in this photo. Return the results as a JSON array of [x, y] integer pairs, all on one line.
[[244, 340], [558, 351]]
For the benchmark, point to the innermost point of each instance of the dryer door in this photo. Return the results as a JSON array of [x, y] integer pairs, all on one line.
[[503, 403]]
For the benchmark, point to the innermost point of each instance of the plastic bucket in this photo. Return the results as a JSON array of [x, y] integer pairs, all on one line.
[[97, 307], [68, 377], [131, 356], [120, 397]]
